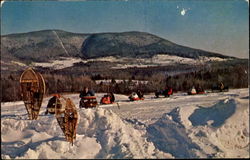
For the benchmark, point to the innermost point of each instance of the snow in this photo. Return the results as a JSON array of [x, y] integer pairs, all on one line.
[[61, 63], [108, 81], [123, 62], [208, 59], [18, 63], [214, 125]]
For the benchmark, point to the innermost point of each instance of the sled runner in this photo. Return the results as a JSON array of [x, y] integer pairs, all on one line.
[[88, 102], [67, 117], [32, 90]]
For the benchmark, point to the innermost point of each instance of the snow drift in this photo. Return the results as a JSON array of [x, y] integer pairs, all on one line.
[[100, 134], [214, 125]]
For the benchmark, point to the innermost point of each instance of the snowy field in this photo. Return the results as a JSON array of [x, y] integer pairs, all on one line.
[[204, 126], [157, 60]]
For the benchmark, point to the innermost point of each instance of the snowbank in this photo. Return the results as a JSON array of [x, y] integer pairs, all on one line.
[[100, 134], [200, 126], [220, 130]]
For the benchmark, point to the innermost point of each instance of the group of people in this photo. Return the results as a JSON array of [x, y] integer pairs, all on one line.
[[138, 95], [196, 90], [109, 97], [106, 99], [86, 93], [165, 92]]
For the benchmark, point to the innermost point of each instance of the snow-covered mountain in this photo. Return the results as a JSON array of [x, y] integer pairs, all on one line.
[[182, 126], [47, 46]]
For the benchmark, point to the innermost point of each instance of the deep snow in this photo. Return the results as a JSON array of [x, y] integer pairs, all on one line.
[[182, 126]]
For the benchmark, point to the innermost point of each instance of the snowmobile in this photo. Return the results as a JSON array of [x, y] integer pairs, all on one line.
[[135, 97], [32, 87], [220, 89], [165, 93], [191, 93], [194, 91], [88, 102], [107, 99]]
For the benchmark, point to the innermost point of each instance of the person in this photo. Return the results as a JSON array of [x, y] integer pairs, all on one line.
[[52, 104], [193, 91], [167, 92], [112, 97], [86, 92], [200, 90], [170, 91], [108, 98], [133, 96], [139, 93], [221, 86]]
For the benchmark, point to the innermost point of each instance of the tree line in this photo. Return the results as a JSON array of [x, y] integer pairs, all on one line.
[[235, 76]]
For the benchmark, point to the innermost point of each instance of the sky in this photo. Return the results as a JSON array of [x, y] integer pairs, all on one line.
[[220, 26]]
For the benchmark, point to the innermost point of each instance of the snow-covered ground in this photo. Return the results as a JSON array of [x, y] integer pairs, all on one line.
[[122, 62], [182, 126], [61, 63]]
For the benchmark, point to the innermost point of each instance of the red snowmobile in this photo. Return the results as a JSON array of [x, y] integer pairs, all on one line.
[[134, 97], [166, 93], [194, 91], [108, 99]]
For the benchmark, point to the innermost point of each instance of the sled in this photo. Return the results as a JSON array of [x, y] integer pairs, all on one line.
[[135, 99], [67, 117], [189, 93], [32, 87], [201, 92], [165, 93], [106, 99], [88, 102], [218, 89]]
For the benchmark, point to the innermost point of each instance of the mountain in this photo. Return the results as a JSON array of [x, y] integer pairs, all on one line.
[[137, 44], [41, 46]]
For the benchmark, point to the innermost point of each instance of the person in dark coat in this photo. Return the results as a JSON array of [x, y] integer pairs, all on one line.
[[86, 92], [139, 93], [112, 97]]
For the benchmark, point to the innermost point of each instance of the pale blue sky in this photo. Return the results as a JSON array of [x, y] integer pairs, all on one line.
[[219, 25]]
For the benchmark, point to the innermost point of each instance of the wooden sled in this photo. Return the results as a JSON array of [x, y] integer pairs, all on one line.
[[32, 90], [67, 118]]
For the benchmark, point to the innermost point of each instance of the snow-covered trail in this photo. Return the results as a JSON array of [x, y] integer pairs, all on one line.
[[182, 126], [151, 109]]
